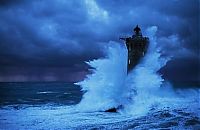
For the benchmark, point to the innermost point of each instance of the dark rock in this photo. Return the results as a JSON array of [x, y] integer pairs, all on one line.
[[111, 110], [114, 109]]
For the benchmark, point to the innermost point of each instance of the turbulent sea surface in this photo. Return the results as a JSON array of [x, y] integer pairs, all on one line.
[[53, 106], [149, 102]]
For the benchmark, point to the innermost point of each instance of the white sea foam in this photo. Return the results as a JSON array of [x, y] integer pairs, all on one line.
[[46, 92], [139, 91], [105, 87], [110, 86]]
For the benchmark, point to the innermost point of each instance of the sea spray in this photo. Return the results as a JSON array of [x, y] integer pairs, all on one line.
[[110, 86], [104, 88], [145, 79]]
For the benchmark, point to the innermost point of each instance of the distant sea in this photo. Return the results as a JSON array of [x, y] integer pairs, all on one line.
[[39, 93]]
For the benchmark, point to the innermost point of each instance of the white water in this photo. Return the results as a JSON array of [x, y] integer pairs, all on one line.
[[139, 91], [109, 86], [106, 85]]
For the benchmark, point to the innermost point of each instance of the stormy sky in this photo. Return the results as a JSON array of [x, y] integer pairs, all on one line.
[[49, 40]]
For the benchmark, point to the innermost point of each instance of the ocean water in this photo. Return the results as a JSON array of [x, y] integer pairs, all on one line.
[[39, 93], [149, 102], [57, 106]]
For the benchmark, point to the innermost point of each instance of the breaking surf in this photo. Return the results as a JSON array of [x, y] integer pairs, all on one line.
[[148, 102], [109, 87]]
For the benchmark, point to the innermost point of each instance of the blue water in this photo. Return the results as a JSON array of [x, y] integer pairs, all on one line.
[[149, 102], [52, 105], [39, 93]]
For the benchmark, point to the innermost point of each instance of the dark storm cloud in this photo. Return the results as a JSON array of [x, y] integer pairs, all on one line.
[[178, 31], [66, 33], [174, 17], [10, 2], [40, 32]]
